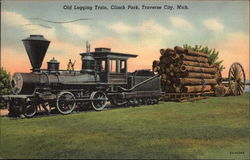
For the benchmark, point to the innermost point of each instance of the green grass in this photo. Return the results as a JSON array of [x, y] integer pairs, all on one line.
[[210, 128]]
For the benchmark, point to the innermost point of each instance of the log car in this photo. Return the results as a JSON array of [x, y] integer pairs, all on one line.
[[103, 78], [186, 76]]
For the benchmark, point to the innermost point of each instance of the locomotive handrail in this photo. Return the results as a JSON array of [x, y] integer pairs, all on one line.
[[139, 84]]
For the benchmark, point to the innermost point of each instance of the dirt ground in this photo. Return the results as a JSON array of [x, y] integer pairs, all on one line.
[[4, 112]]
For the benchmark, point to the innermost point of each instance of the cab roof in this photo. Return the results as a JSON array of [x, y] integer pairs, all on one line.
[[106, 53]]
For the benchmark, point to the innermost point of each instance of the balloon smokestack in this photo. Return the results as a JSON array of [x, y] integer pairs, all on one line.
[[36, 47]]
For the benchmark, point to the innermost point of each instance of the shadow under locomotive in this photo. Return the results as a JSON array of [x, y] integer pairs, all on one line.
[[103, 78]]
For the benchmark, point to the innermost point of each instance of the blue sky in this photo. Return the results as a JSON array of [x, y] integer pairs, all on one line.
[[223, 25]]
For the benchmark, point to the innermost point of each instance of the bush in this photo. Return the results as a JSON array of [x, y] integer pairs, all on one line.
[[4, 85]]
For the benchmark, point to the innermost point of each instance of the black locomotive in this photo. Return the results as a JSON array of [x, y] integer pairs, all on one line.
[[103, 78]]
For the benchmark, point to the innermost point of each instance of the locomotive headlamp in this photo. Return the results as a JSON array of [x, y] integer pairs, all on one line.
[[16, 83], [24, 83]]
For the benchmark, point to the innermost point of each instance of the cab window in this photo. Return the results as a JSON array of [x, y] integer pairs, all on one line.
[[123, 66], [112, 65]]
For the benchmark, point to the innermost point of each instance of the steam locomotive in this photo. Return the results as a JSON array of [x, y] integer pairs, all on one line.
[[102, 78]]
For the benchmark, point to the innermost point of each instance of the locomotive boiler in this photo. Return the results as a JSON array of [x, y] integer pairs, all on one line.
[[102, 78]]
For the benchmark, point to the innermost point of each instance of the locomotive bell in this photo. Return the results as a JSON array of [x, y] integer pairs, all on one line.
[[36, 47]]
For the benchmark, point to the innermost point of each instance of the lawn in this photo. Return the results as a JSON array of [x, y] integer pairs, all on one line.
[[217, 128]]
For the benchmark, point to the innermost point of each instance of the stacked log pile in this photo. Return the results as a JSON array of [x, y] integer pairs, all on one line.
[[185, 71]]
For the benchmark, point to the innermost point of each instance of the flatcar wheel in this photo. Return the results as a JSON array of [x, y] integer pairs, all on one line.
[[64, 103], [140, 101], [136, 102], [148, 101], [152, 101], [157, 100], [30, 110], [144, 101], [99, 100], [118, 102], [237, 79], [130, 102]]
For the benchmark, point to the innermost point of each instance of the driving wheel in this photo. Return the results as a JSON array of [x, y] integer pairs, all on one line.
[[98, 100], [65, 102]]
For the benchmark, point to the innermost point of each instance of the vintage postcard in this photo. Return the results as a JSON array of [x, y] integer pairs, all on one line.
[[150, 79]]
